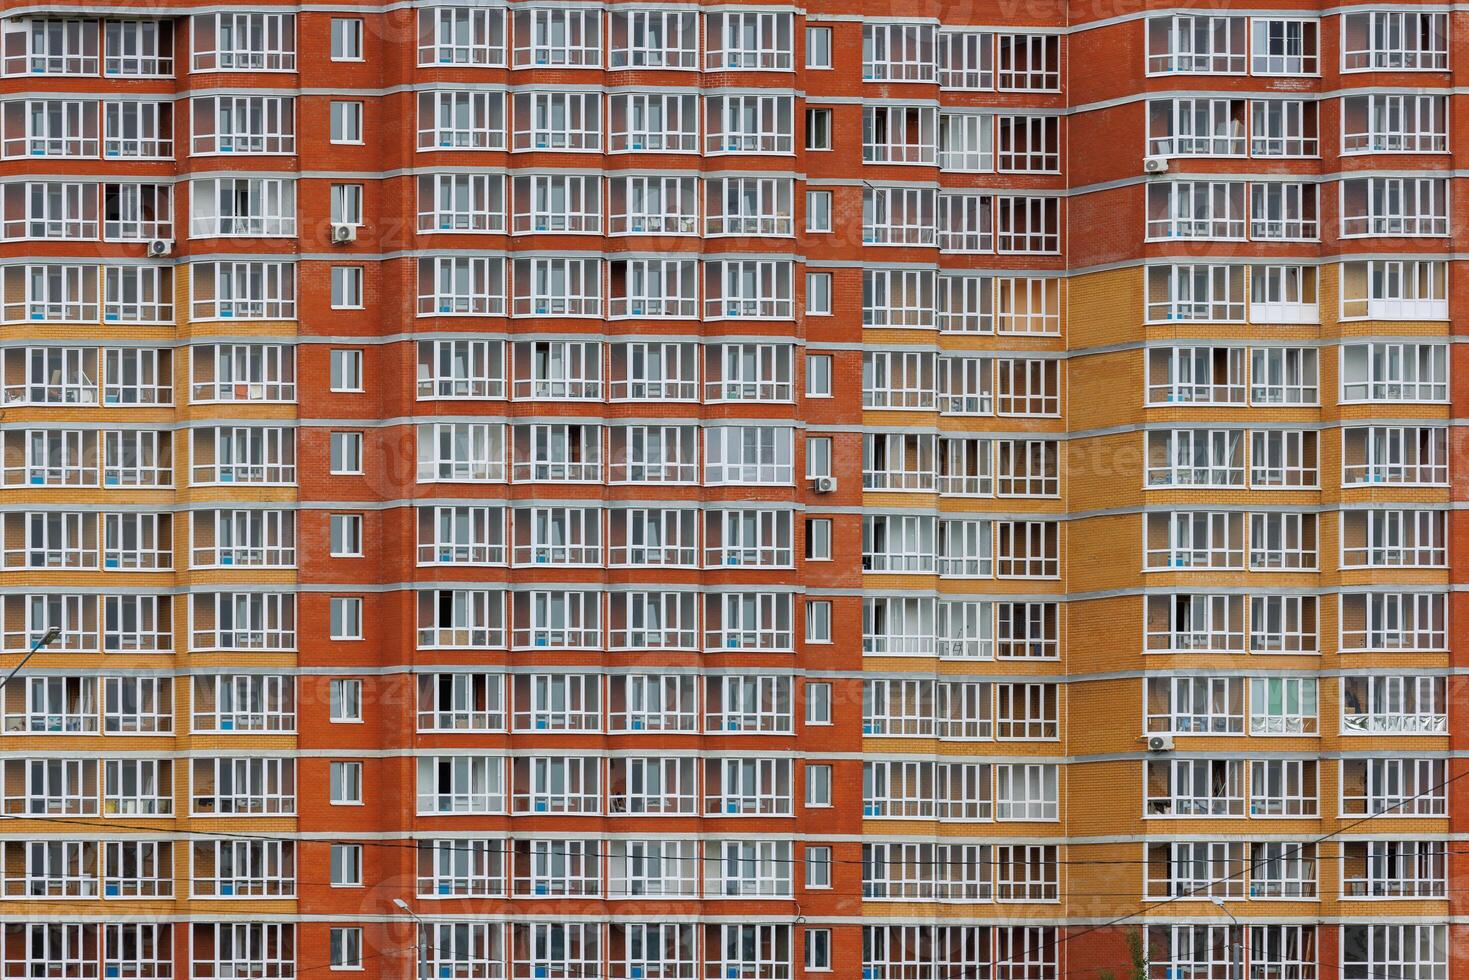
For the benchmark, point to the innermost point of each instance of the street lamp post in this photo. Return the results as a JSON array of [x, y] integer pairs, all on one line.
[[1235, 944], [418, 935]]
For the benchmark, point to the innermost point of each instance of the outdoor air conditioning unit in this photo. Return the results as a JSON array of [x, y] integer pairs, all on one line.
[[824, 484], [342, 234], [1155, 165], [159, 247], [1160, 743]]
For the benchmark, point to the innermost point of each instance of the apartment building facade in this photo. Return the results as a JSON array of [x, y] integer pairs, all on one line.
[[731, 491]]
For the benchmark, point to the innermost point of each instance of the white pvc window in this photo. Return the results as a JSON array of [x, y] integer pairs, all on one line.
[[1028, 63], [458, 784], [460, 369], [1392, 289], [1394, 787], [243, 42], [50, 128], [1286, 624], [244, 290], [1284, 46], [749, 40], [137, 130], [138, 48], [1025, 791], [1197, 209], [1283, 706], [748, 289], [242, 124], [461, 36], [454, 120], [557, 37], [1398, 455], [898, 216], [557, 287], [748, 206], [51, 293], [749, 124], [1394, 372], [558, 121], [471, 452], [651, 122], [900, 134], [1281, 211], [966, 142], [898, 53], [654, 288], [1394, 539], [898, 298], [1196, 127], [461, 203], [748, 455], [241, 207], [1029, 144], [1391, 621], [653, 39], [1196, 44], [1395, 206], [136, 212], [461, 701], [1395, 40], [137, 624], [1394, 124], [966, 60], [1284, 376], [461, 286], [747, 621], [643, 205]]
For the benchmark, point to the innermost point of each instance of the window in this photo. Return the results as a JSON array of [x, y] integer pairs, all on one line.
[[346, 943], [818, 129], [818, 785], [346, 122], [346, 287], [346, 452], [818, 376], [346, 535], [818, 539], [818, 457], [244, 42], [818, 621], [818, 704], [346, 204], [346, 699], [346, 783], [1284, 47], [818, 294], [818, 949], [818, 211], [346, 46], [346, 865], [818, 47], [1395, 40], [1414, 952], [346, 613], [346, 369]]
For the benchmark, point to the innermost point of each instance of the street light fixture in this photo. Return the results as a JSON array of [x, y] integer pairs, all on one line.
[[419, 939], [1236, 946], [49, 637]]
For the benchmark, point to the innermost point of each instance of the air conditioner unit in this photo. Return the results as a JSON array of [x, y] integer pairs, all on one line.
[[342, 234], [824, 484], [1160, 743], [1155, 165], [159, 247]]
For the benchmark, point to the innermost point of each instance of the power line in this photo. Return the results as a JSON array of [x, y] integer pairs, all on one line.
[[415, 844]]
